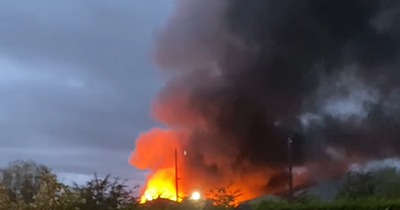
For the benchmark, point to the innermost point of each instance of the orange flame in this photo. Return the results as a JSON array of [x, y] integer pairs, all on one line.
[[160, 185], [155, 152]]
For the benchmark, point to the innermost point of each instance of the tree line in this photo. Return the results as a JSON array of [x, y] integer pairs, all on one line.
[[26, 185]]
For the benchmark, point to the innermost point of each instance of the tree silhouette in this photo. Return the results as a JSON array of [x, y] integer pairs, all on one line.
[[224, 196], [106, 194], [21, 180]]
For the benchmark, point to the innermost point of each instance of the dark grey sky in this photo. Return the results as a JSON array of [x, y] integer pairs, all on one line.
[[76, 81]]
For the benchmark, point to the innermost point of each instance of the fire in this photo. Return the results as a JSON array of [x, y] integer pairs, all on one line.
[[203, 163], [155, 152], [160, 185], [195, 196]]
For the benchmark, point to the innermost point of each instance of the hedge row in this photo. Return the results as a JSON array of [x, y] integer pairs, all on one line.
[[367, 204]]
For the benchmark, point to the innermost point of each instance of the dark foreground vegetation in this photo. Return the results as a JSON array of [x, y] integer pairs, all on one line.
[[25, 185]]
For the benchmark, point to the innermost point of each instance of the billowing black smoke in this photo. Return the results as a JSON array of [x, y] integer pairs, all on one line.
[[298, 42], [324, 72]]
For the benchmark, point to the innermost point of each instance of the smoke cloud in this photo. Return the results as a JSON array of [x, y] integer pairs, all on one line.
[[244, 75]]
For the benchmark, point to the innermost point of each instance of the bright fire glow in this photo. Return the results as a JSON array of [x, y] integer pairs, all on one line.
[[155, 152], [160, 185], [195, 196]]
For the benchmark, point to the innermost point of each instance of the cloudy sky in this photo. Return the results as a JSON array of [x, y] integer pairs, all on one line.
[[76, 81]]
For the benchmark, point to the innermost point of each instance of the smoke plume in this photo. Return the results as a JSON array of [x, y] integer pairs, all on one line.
[[244, 75]]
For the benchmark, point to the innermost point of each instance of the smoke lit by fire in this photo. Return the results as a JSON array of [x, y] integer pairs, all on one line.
[[244, 75]]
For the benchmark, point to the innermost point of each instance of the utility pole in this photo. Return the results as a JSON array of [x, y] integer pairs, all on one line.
[[290, 166], [176, 176]]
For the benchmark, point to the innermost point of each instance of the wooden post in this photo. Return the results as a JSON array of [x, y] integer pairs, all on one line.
[[290, 167], [176, 176]]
